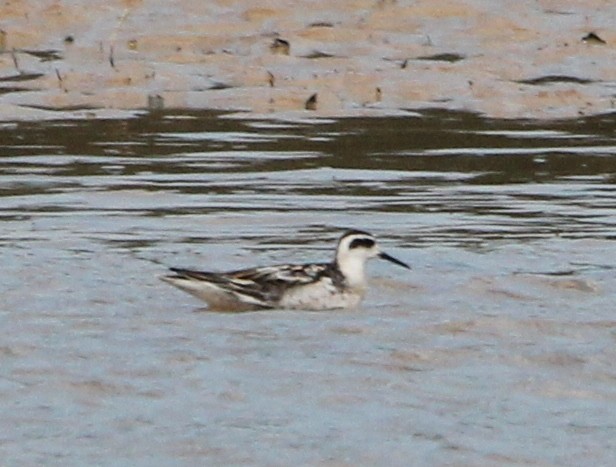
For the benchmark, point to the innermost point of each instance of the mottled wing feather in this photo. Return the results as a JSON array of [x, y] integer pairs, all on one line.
[[264, 285], [287, 274], [269, 283]]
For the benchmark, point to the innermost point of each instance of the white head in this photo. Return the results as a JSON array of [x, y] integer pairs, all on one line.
[[354, 249]]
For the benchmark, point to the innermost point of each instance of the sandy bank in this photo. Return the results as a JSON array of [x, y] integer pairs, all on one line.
[[511, 59]]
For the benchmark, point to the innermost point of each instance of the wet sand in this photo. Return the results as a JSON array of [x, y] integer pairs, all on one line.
[[508, 59]]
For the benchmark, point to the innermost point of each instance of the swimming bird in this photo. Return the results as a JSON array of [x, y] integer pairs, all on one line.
[[314, 286]]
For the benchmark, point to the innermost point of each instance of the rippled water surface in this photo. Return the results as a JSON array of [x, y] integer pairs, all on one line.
[[497, 348]]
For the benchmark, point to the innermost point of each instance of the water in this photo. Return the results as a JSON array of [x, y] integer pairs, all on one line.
[[498, 348]]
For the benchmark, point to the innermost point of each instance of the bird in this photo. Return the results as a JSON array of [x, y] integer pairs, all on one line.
[[340, 283]]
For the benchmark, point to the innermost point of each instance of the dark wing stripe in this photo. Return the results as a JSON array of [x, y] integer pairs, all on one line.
[[266, 284]]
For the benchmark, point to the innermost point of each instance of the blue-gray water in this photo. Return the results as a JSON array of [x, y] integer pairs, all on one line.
[[498, 348]]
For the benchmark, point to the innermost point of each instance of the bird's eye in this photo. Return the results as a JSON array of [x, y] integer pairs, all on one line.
[[361, 243]]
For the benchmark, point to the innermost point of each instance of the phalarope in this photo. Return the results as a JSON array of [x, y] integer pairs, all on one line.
[[318, 286]]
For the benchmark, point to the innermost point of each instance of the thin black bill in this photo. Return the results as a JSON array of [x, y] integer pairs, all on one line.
[[394, 260]]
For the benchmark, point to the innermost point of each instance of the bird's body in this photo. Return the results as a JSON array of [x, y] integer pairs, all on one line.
[[315, 286]]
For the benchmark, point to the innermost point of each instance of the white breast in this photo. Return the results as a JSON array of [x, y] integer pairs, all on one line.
[[322, 295]]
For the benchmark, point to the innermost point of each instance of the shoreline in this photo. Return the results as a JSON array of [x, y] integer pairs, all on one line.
[[516, 60]]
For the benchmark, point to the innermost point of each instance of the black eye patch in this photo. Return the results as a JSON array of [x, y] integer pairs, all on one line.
[[361, 243]]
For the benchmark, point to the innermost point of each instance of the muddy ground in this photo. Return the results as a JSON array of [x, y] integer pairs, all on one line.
[[503, 59]]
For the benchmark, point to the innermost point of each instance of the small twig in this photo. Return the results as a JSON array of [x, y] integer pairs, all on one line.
[[112, 38], [111, 60], [15, 61], [60, 80]]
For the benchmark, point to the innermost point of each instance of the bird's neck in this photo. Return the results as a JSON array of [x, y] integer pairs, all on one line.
[[353, 270]]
